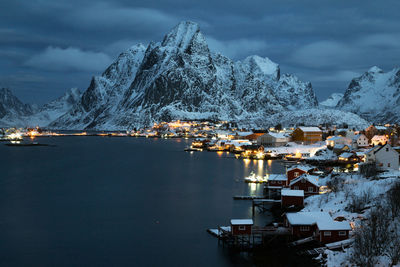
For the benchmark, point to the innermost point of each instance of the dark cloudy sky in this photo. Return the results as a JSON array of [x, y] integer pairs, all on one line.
[[48, 46]]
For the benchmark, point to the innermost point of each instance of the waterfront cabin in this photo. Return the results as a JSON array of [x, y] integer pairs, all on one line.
[[306, 182], [241, 226], [379, 140], [307, 135], [385, 157], [277, 180], [295, 172], [272, 139], [292, 198], [330, 231], [304, 224]]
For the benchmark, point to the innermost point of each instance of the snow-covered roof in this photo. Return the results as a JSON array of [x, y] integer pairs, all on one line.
[[278, 135], [346, 155], [334, 138], [380, 127], [339, 146], [311, 178], [292, 193], [307, 218], [244, 133], [242, 222], [310, 129], [277, 177], [379, 137], [333, 225]]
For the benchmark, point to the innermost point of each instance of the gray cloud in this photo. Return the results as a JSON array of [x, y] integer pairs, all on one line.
[[324, 42], [59, 59]]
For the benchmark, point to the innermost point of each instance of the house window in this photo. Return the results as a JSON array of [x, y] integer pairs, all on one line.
[[242, 227], [310, 189], [296, 188], [387, 149], [342, 233], [304, 228], [388, 165], [296, 174], [303, 181], [327, 233]]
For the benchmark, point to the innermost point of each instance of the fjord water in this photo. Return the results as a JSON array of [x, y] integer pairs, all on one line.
[[101, 201]]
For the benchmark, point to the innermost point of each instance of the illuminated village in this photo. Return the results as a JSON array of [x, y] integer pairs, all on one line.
[[315, 199]]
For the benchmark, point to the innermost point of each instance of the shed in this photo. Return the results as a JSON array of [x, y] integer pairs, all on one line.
[[292, 198], [241, 226]]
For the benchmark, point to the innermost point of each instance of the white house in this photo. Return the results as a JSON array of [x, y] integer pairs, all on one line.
[[272, 139], [359, 140], [385, 157], [379, 140], [337, 140]]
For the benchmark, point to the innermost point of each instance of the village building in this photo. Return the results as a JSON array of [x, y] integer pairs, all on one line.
[[307, 135], [319, 225], [340, 148], [379, 140], [242, 135], [272, 139], [330, 231], [337, 140], [241, 226], [277, 180], [306, 182], [304, 224], [385, 157], [348, 157], [296, 171], [359, 140], [292, 198]]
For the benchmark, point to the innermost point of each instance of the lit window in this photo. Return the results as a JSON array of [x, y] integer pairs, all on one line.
[[342, 233], [304, 228], [327, 233]]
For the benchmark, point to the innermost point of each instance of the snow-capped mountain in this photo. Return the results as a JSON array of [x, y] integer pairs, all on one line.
[[14, 113], [11, 108], [375, 95], [180, 78], [54, 109], [332, 100]]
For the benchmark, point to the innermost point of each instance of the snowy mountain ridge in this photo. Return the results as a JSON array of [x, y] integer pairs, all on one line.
[[180, 78], [375, 96]]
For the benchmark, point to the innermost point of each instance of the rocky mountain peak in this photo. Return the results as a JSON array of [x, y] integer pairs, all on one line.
[[375, 69]]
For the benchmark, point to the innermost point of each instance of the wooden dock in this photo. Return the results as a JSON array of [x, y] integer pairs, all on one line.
[[247, 197], [263, 204]]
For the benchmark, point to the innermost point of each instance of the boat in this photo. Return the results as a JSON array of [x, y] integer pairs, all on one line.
[[253, 178], [16, 143], [193, 149]]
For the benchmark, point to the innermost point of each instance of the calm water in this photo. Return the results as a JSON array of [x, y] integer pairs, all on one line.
[[94, 201]]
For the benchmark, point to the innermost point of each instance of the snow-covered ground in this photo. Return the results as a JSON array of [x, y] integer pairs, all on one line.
[[349, 187], [293, 148]]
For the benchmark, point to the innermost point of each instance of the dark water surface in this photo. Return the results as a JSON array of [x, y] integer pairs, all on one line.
[[100, 201]]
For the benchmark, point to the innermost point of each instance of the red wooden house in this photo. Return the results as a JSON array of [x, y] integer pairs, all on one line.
[[294, 173], [241, 226], [332, 231], [292, 198], [306, 182], [304, 224]]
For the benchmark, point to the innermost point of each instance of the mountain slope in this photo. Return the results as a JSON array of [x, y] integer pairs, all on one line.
[[375, 95], [12, 109], [180, 78], [332, 100]]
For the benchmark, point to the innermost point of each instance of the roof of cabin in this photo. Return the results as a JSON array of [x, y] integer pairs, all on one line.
[[242, 222]]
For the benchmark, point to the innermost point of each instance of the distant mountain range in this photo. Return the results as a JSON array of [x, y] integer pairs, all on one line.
[[180, 78]]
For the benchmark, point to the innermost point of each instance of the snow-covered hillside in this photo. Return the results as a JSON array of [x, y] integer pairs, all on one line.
[[12, 109], [375, 95], [332, 100]]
